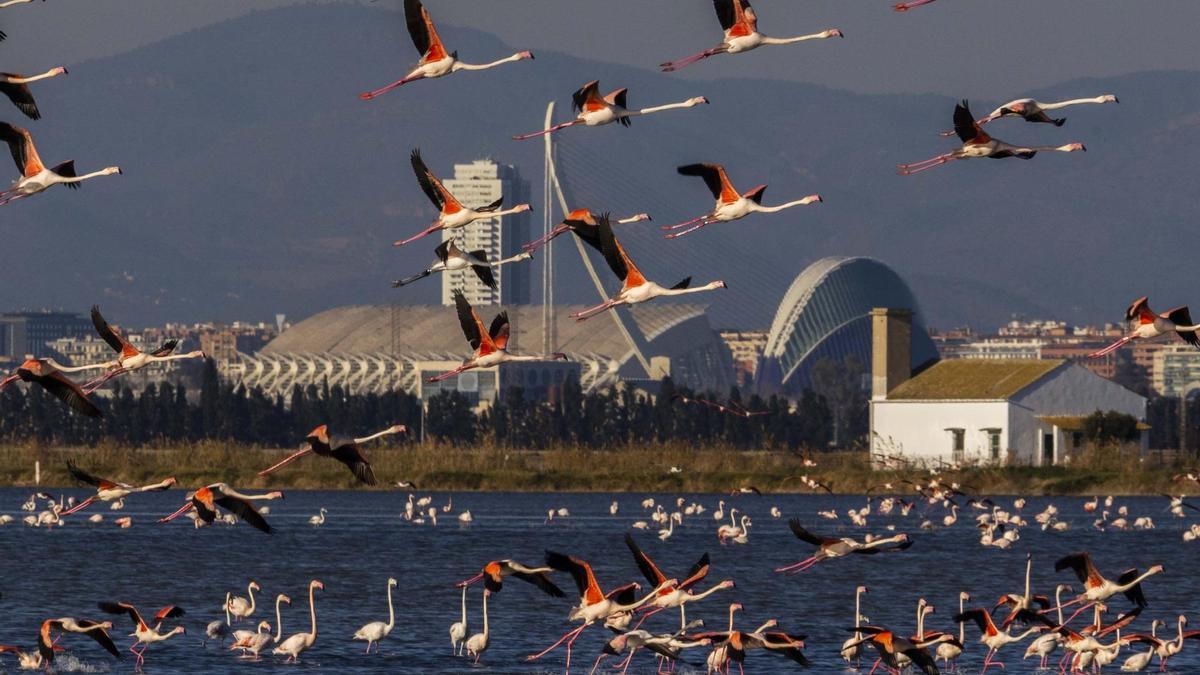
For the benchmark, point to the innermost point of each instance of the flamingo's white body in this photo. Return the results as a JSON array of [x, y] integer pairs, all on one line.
[[240, 607], [35, 176], [319, 519], [298, 643], [256, 642], [377, 630], [730, 205]]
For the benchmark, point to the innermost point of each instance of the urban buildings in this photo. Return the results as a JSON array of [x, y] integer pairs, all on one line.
[[28, 333], [477, 184]]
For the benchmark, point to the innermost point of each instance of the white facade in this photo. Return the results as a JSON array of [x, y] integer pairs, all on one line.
[[1020, 429], [478, 184]]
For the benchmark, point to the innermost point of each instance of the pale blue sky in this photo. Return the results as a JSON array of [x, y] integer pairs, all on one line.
[[971, 48]]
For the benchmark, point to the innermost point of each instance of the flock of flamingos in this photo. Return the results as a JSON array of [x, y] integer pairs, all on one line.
[[622, 609]]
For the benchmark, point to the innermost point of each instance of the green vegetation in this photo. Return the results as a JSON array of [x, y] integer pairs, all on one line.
[[637, 469]]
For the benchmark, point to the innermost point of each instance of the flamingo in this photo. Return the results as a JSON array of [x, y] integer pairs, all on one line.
[[219, 630], [377, 630], [107, 490], [583, 223], [254, 643], [976, 143], [1022, 605], [242, 638], [15, 87], [1164, 649], [435, 60], [635, 288], [677, 595], [96, 630], [492, 575], [731, 408], [891, 647], [26, 660], [1098, 589], [240, 607], [343, 449], [594, 110], [594, 605], [911, 4], [458, 629], [829, 548], [130, 358], [35, 177], [10, 3], [1148, 325], [991, 636], [491, 345], [296, 644], [48, 375], [319, 519], [950, 650], [452, 214], [450, 258], [730, 205], [1045, 645], [477, 644], [852, 648], [141, 630], [206, 500], [636, 639], [1035, 111], [740, 24]]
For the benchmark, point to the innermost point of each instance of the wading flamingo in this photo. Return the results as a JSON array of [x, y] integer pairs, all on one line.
[[740, 24], [852, 648], [16, 88], [107, 490], [35, 177], [730, 205], [241, 608], [377, 630], [477, 644], [296, 644], [450, 258], [1147, 325], [435, 60], [206, 500], [594, 110], [458, 629], [490, 345], [342, 448], [976, 143]]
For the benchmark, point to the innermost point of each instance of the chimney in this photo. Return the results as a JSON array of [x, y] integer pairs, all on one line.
[[891, 349]]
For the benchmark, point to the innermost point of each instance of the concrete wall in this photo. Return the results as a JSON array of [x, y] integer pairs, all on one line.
[[917, 429]]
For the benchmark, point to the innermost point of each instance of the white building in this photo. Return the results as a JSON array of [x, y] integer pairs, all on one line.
[[478, 184], [982, 411]]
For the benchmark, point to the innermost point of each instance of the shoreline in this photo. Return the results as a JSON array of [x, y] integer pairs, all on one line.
[[438, 468]]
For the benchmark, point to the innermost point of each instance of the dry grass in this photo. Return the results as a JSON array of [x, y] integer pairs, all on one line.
[[439, 467]]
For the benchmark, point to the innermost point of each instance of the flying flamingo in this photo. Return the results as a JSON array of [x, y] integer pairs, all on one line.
[[730, 205], [1149, 325], [97, 630], [377, 630], [740, 24], [594, 110], [594, 605], [1035, 111], [1045, 645], [451, 213], [1098, 589], [490, 345], [477, 644], [991, 636], [731, 408], [976, 143], [130, 358], [494, 572], [343, 449], [141, 630], [435, 60], [10, 3], [583, 223], [829, 548], [206, 500], [240, 607], [35, 177], [15, 87], [635, 288], [677, 595], [294, 645], [450, 258], [49, 376], [1021, 606], [905, 6], [107, 490]]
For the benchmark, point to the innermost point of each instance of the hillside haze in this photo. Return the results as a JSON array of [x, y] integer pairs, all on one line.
[[257, 182]]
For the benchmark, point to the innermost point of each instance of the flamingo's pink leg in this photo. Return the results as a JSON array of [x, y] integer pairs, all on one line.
[[683, 224], [423, 233], [788, 568], [547, 650], [905, 6], [449, 374], [593, 311], [672, 66], [703, 223], [285, 461], [367, 96], [543, 132]]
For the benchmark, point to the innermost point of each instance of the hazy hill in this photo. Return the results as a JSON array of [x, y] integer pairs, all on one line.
[[256, 181]]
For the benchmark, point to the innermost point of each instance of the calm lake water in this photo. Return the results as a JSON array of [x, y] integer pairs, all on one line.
[[66, 570]]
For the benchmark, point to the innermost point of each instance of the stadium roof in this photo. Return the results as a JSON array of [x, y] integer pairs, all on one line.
[[974, 379]]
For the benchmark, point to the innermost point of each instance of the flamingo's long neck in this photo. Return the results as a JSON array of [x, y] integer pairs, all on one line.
[[685, 291], [657, 108], [857, 613], [793, 40], [507, 212], [10, 3], [392, 612], [1058, 602], [1028, 570], [732, 609], [156, 486], [464, 607], [378, 434], [278, 620], [705, 594], [312, 609], [95, 174], [24, 80], [227, 595], [485, 616], [775, 209], [1179, 637], [75, 369], [962, 625], [921, 620], [1135, 582], [1046, 148], [459, 65], [1074, 101], [172, 357], [250, 591]]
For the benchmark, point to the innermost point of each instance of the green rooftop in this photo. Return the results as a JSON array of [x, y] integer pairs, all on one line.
[[974, 379]]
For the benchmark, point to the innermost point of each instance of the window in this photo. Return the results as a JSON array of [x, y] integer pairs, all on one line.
[[994, 444], [958, 439]]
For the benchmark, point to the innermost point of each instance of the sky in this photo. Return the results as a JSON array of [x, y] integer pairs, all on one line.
[[1041, 42]]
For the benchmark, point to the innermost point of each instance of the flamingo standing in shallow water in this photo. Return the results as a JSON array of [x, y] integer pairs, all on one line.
[[450, 258], [730, 205], [49, 375], [435, 60], [206, 500], [296, 644], [342, 448], [107, 490], [458, 629], [35, 177], [130, 358], [15, 87], [976, 143], [377, 630], [1148, 325], [740, 24], [241, 608], [141, 630], [477, 644], [451, 213], [635, 288], [490, 345], [594, 110], [1035, 111]]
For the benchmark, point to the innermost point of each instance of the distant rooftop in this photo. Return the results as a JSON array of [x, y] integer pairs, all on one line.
[[974, 379]]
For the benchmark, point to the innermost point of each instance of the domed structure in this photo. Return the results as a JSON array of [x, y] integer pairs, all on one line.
[[826, 313]]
